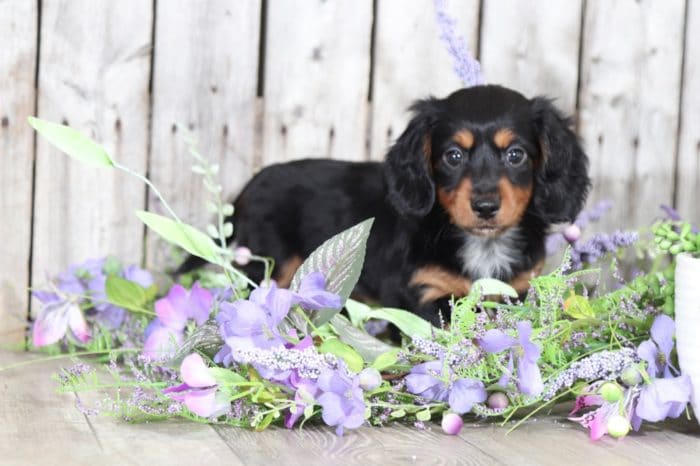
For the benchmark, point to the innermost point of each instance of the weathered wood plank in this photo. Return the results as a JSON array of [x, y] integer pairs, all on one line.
[[689, 143], [533, 47], [317, 60], [631, 64], [411, 62], [205, 79], [94, 73], [18, 24]]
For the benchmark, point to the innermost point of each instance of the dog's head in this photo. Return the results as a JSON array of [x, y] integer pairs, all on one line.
[[487, 155]]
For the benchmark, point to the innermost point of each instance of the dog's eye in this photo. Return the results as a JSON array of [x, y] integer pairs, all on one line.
[[515, 156], [453, 157]]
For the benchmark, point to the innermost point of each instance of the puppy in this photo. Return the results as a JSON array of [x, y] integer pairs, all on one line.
[[467, 191]]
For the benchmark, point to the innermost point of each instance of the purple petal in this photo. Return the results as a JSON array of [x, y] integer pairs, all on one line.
[[495, 341], [195, 373], [313, 294], [172, 309], [52, 322], [331, 408], [464, 393], [662, 331], [45, 296], [664, 398], [334, 381], [205, 403], [242, 318], [529, 377], [77, 324], [177, 388], [162, 341], [199, 304], [648, 352], [139, 276]]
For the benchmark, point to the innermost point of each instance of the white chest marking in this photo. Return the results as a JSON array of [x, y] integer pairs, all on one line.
[[484, 257]]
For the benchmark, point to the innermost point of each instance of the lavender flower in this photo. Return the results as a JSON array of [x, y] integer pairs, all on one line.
[[555, 241], [305, 395], [201, 390], [433, 381], [342, 400], [657, 351], [465, 65], [529, 377], [167, 330], [600, 245]]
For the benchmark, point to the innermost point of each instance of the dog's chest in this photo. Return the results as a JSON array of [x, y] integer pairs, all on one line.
[[492, 257]]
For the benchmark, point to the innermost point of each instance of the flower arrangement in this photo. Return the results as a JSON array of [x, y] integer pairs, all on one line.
[[218, 348]]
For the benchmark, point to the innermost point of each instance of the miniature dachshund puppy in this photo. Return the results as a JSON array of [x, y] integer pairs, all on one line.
[[468, 190]]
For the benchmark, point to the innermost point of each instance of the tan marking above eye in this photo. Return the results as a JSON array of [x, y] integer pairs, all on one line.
[[464, 138], [503, 138]]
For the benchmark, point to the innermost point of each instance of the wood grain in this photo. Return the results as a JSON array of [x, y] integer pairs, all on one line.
[[533, 47], [95, 65], [689, 143], [317, 60], [18, 24], [204, 79], [630, 89], [411, 62]]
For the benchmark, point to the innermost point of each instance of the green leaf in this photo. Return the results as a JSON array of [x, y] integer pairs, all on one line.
[[578, 307], [398, 413], [351, 357], [124, 293], [491, 286], [386, 360], [340, 261], [358, 312], [409, 323], [365, 344], [423, 415], [265, 421], [226, 376], [206, 339], [181, 234], [72, 142]]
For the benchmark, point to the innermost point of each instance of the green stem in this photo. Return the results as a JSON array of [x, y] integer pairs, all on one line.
[[71, 355], [151, 186]]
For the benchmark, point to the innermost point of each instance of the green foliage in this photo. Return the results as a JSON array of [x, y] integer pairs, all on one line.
[[185, 236], [72, 142], [351, 357]]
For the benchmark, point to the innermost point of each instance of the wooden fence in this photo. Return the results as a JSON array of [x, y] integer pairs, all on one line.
[[265, 81]]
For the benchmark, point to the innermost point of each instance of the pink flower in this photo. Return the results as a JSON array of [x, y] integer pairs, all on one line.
[[202, 396], [54, 320]]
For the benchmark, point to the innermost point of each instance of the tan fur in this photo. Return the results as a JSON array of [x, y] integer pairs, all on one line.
[[283, 276], [521, 282], [514, 201], [464, 138], [437, 283], [457, 203], [503, 138]]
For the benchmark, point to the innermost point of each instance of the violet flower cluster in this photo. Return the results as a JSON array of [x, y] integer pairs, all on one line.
[[465, 65], [663, 392], [78, 295]]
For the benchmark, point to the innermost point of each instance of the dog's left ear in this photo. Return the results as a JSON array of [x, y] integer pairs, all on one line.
[[562, 181]]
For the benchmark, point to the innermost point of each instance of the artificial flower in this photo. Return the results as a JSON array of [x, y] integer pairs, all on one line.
[[167, 330], [199, 390], [431, 380], [54, 320], [529, 377], [342, 400]]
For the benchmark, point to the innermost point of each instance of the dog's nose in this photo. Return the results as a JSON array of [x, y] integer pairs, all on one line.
[[486, 208]]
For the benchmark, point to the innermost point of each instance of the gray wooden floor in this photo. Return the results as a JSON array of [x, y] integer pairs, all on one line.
[[39, 426]]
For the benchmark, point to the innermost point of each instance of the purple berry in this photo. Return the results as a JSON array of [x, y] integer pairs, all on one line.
[[452, 423], [572, 233], [498, 400]]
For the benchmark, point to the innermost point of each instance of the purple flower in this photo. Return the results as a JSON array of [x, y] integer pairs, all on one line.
[[202, 396], [54, 320], [529, 377], [312, 294], [599, 245], [305, 394], [341, 400], [167, 330], [465, 65], [554, 241], [657, 351], [664, 398], [433, 381]]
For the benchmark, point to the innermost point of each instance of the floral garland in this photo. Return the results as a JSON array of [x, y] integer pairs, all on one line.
[[218, 348]]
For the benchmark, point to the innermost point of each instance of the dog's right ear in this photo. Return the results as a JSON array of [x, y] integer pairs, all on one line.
[[407, 170]]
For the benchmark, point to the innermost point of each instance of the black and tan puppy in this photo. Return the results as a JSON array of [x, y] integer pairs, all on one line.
[[467, 191]]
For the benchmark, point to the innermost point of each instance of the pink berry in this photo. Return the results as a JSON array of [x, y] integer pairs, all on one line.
[[572, 233], [452, 423], [242, 255], [498, 400]]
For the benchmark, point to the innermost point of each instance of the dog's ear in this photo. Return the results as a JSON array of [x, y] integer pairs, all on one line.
[[561, 181], [407, 170]]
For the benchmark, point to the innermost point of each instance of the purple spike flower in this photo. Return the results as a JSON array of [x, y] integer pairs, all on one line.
[[465, 65]]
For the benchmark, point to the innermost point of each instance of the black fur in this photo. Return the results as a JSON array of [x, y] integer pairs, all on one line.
[[289, 209]]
